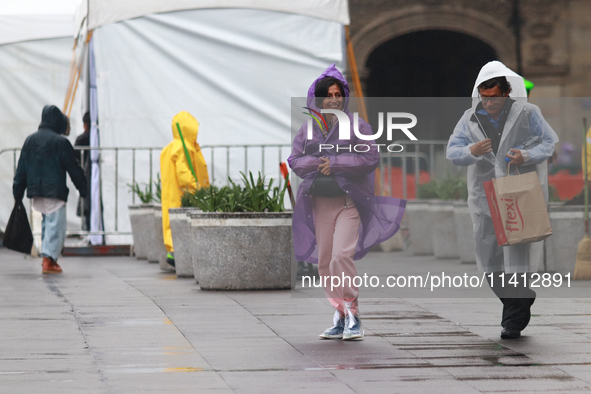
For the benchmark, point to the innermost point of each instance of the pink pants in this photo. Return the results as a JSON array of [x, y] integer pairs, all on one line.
[[337, 231]]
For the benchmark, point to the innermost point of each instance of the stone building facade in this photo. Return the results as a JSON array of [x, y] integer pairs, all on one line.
[[555, 38]]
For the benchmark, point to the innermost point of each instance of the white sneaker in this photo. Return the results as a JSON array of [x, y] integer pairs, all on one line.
[[353, 328], [336, 331]]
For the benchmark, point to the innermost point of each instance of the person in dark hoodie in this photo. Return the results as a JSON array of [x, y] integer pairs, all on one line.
[[45, 158]]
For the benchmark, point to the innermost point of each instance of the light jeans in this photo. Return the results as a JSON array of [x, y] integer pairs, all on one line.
[[53, 233]]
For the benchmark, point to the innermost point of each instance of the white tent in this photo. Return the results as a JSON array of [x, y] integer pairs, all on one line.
[[35, 53], [25, 20], [233, 64]]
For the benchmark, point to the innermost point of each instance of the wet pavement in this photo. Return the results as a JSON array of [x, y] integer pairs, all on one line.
[[120, 325]]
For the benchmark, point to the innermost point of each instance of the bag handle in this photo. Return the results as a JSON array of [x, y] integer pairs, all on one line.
[[509, 168]]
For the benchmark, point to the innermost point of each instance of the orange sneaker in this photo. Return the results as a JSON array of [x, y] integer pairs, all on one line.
[[50, 266]]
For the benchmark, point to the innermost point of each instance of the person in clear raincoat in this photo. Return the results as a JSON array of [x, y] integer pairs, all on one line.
[[502, 124]]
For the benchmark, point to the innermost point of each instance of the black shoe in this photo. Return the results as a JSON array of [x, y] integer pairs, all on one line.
[[509, 333]]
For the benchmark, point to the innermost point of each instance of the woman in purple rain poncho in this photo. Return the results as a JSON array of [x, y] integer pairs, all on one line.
[[334, 231]]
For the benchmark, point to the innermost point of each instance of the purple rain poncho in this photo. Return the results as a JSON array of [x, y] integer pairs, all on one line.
[[354, 172]]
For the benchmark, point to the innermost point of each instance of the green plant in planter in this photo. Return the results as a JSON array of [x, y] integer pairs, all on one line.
[[208, 199], [158, 186], [450, 188], [189, 198], [453, 188], [255, 196], [147, 195], [260, 197], [427, 190], [234, 198]]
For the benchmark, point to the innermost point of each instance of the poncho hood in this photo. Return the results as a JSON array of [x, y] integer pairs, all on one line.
[[496, 69], [52, 118], [331, 71], [189, 127]]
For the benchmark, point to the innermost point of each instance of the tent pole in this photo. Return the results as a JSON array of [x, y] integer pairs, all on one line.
[[78, 73], [360, 100], [73, 68], [355, 76]]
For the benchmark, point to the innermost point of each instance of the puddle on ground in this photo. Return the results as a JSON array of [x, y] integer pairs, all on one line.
[[420, 365], [398, 313], [498, 360], [127, 323], [30, 372], [408, 317], [450, 346], [561, 378], [164, 351], [428, 334], [370, 366], [385, 302], [280, 314], [125, 369], [409, 366], [184, 369], [50, 354], [560, 314]]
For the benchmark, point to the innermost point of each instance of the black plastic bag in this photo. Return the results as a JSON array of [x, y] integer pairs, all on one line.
[[18, 235]]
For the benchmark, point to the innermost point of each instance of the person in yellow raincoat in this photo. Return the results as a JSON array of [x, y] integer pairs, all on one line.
[[176, 172]]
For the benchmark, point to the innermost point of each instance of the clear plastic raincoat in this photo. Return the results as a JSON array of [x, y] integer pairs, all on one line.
[[524, 120], [175, 171]]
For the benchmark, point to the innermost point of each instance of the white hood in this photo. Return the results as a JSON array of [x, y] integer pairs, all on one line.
[[496, 69]]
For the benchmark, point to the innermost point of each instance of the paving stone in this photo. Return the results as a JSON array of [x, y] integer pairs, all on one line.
[[119, 325]]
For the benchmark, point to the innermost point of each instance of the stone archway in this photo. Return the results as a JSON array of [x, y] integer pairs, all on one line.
[[397, 23], [427, 63]]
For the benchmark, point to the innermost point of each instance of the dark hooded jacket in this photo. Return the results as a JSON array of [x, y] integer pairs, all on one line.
[[45, 158]]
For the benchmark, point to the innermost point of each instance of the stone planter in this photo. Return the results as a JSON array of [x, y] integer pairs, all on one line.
[[141, 217], [242, 251], [156, 251], [418, 217], [394, 243], [182, 239], [159, 250], [464, 232], [568, 228], [445, 244]]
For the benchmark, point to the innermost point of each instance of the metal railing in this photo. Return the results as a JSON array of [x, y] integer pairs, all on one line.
[[13, 150], [245, 149], [211, 151], [419, 154], [425, 152]]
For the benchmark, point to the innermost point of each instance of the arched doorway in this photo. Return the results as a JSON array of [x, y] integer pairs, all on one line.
[[428, 63], [416, 69]]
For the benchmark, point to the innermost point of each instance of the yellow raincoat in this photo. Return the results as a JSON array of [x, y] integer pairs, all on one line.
[[175, 171]]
